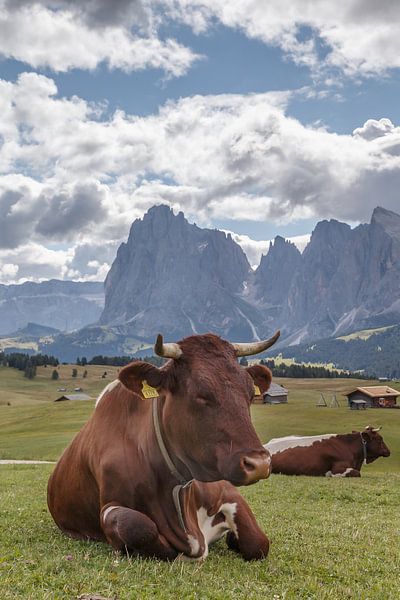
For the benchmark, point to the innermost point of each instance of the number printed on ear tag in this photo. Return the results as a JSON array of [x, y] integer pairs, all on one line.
[[148, 391], [257, 390]]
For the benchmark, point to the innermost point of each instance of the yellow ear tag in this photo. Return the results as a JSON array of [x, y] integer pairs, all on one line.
[[257, 390], [148, 391]]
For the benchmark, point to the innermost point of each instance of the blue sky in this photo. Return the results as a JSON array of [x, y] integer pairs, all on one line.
[[248, 117]]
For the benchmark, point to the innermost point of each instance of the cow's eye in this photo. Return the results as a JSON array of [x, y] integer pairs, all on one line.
[[202, 401]]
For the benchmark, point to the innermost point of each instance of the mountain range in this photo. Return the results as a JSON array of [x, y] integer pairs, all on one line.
[[62, 305], [174, 277]]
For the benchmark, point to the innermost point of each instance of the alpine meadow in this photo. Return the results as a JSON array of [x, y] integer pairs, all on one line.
[[199, 300]]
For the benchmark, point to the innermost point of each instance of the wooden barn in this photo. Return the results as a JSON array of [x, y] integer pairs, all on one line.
[[276, 394], [376, 396], [73, 397]]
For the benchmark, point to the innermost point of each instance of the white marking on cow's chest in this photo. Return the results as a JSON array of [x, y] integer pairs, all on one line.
[[107, 389], [330, 474], [212, 533], [294, 441]]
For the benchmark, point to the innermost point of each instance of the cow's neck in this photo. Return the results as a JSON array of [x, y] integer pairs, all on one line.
[[174, 488], [158, 430], [358, 446]]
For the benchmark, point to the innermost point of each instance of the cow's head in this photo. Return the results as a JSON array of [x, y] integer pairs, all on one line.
[[376, 447], [205, 399]]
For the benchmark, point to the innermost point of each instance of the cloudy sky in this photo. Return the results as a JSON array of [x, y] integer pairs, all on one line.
[[256, 117]]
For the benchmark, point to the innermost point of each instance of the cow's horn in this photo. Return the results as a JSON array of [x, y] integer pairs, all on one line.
[[166, 350], [255, 347]]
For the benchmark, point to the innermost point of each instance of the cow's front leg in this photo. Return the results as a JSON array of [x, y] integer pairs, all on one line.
[[133, 532], [245, 536], [342, 470]]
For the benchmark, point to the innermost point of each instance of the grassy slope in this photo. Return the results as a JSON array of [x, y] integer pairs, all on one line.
[[364, 334], [18, 390], [331, 539]]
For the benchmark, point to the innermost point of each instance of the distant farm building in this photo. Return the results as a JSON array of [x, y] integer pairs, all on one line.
[[377, 396], [276, 394], [73, 397]]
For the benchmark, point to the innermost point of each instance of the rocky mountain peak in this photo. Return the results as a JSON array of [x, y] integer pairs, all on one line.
[[273, 277], [174, 277], [329, 233], [388, 220]]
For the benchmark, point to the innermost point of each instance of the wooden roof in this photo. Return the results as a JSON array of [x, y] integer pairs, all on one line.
[[276, 390], [375, 391], [73, 397]]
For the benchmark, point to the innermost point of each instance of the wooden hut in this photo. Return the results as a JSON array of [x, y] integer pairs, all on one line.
[[276, 394], [375, 396]]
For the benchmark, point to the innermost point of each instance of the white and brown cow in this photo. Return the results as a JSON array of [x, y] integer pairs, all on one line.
[[146, 472], [331, 454]]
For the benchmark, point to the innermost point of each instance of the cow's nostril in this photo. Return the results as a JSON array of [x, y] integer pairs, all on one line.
[[255, 468], [248, 464]]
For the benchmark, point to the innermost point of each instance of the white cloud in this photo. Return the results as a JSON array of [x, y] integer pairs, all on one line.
[[300, 241], [69, 177], [65, 35], [373, 129], [8, 272], [254, 249], [360, 37], [35, 262]]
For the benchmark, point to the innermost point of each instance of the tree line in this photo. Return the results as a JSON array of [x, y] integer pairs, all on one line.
[[118, 361], [301, 371], [27, 363]]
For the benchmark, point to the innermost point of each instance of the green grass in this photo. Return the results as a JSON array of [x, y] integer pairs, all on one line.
[[35, 427], [364, 334], [330, 538], [18, 390]]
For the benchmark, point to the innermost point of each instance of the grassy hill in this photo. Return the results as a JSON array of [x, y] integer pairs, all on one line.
[[331, 539], [36, 427], [374, 352]]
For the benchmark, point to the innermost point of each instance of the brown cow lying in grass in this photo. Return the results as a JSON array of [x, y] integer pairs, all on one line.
[[329, 455], [154, 470]]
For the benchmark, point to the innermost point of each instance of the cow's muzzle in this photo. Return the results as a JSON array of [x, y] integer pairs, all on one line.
[[250, 467]]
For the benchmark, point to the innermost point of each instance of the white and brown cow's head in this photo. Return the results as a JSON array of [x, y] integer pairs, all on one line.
[[205, 397]]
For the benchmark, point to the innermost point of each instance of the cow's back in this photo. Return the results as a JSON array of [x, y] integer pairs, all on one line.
[[301, 455]]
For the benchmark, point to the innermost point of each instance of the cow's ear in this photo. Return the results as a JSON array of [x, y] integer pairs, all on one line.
[[261, 376], [142, 378]]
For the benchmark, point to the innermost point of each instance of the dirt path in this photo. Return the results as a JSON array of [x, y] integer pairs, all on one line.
[[27, 462]]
